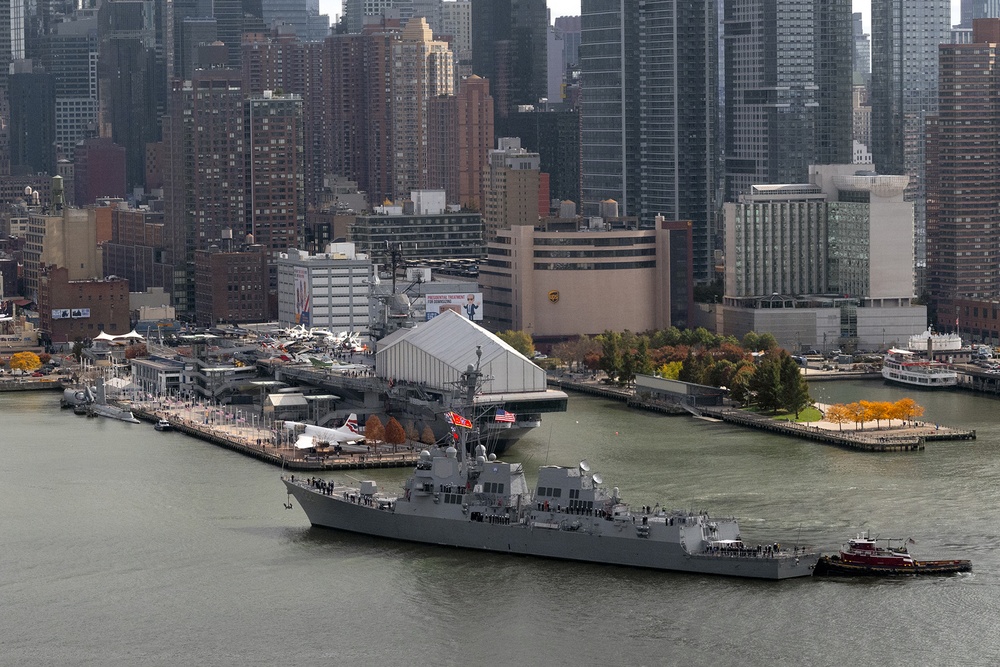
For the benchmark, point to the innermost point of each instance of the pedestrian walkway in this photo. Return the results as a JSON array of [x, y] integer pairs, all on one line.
[[891, 428], [263, 441]]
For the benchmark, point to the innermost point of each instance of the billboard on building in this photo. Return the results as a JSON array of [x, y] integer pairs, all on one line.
[[302, 297], [70, 313], [469, 304]]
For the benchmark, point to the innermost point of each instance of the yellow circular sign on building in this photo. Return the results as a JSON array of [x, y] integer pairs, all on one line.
[[554, 296]]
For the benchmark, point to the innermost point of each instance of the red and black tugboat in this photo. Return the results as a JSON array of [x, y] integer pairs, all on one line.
[[863, 556]]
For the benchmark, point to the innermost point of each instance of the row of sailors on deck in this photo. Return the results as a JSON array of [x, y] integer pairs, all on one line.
[[321, 485], [314, 482], [584, 511], [359, 499], [761, 551]]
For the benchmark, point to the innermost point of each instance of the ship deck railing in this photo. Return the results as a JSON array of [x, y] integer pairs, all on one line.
[[797, 552]]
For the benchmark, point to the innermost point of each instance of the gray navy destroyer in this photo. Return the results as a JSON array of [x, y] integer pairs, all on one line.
[[479, 502]]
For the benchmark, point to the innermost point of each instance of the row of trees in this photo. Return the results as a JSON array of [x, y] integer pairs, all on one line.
[[623, 354], [771, 382], [860, 412], [775, 383], [689, 355], [395, 433]]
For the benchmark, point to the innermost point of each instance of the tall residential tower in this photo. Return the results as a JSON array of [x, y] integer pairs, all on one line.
[[963, 195]]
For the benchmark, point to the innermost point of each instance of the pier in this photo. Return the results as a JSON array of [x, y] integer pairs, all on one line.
[[874, 438], [870, 437], [592, 388], [870, 442], [974, 379], [29, 384], [260, 443]]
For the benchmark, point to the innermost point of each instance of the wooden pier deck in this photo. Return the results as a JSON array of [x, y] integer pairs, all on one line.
[[879, 440], [285, 457], [875, 440], [602, 390]]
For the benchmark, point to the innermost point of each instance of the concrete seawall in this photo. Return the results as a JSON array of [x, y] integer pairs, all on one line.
[[28, 384]]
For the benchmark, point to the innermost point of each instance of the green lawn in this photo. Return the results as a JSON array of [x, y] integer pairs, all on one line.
[[809, 414]]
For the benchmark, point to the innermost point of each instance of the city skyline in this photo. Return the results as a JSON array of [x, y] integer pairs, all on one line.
[[572, 8], [621, 107]]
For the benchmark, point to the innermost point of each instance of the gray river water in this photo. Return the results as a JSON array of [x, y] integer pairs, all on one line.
[[123, 546]]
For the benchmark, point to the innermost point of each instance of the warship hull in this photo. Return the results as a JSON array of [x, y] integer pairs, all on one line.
[[657, 545]]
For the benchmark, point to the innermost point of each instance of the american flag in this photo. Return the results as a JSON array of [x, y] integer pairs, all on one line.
[[504, 416]]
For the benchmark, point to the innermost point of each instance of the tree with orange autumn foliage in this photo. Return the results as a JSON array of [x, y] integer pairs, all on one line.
[[860, 412], [394, 433], [374, 430], [906, 409], [838, 414]]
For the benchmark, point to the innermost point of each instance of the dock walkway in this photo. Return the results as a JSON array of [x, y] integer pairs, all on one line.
[[884, 441], [870, 438], [29, 384], [874, 439], [257, 443]]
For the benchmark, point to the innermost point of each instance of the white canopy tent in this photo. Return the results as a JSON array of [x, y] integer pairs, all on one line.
[[436, 353]]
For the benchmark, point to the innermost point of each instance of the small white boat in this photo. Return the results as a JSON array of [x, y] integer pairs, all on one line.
[[163, 425]]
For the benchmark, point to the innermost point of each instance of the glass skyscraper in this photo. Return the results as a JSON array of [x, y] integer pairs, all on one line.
[[789, 75], [509, 48], [649, 74], [979, 9], [904, 91]]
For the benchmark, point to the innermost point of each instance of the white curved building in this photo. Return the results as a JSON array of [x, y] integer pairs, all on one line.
[[425, 365], [436, 353]]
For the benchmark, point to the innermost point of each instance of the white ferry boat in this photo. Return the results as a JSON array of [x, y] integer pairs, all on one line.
[[903, 367]]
